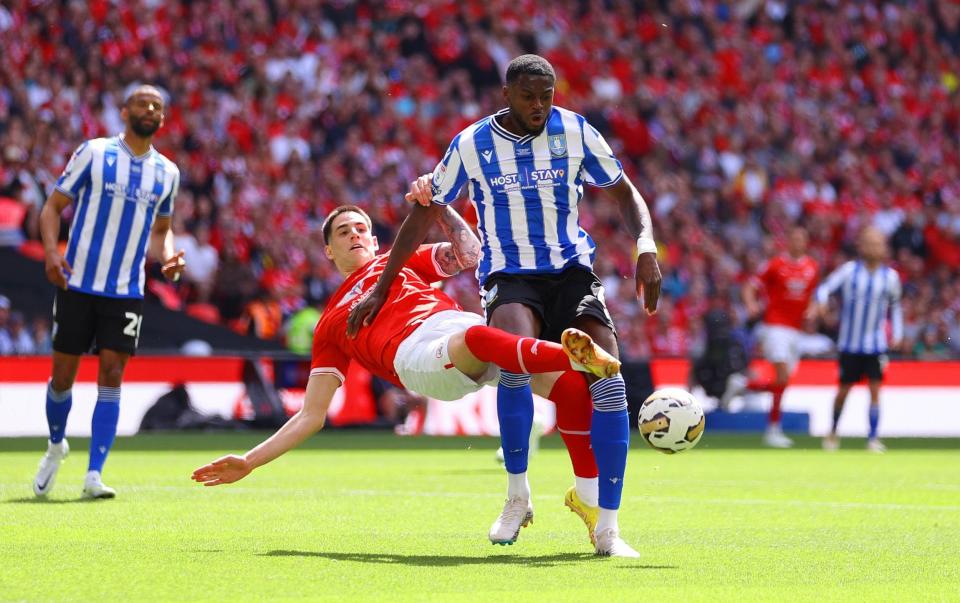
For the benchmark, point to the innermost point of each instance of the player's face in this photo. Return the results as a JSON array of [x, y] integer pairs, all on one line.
[[873, 246], [351, 243], [530, 99], [797, 242], [144, 113]]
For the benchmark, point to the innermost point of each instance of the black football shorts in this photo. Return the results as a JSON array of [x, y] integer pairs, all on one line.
[[82, 319], [557, 298]]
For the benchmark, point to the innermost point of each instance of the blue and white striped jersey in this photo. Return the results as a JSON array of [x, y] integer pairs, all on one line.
[[867, 297], [526, 190], [117, 195]]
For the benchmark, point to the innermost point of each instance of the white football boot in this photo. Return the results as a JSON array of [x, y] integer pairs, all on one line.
[[775, 438], [736, 386], [49, 465], [831, 443], [93, 487], [609, 544], [875, 445], [517, 513]]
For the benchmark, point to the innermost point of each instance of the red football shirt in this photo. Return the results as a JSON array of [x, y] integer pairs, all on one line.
[[409, 302], [789, 284]]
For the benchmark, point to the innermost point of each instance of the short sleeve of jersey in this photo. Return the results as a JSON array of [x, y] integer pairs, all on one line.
[[166, 204], [600, 166], [449, 176], [326, 358], [896, 287], [77, 173], [425, 263]]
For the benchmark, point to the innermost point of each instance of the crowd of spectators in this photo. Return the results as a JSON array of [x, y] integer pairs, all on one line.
[[20, 336], [736, 119]]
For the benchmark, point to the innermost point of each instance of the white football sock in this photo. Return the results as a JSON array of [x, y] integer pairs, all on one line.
[[608, 519], [588, 489], [517, 485]]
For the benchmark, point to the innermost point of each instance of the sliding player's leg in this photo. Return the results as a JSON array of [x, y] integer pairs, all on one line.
[[473, 349]]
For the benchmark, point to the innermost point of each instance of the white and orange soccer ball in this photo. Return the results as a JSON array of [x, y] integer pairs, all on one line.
[[671, 420]]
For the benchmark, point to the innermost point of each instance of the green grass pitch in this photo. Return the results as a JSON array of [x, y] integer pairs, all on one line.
[[371, 516]]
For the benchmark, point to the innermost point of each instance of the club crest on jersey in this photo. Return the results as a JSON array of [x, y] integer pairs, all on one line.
[[352, 294], [558, 145]]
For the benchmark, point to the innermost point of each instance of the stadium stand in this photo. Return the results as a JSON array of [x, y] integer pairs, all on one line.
[[736, 119]]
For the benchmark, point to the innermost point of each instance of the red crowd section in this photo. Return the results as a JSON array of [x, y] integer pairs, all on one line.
[[736, 120]]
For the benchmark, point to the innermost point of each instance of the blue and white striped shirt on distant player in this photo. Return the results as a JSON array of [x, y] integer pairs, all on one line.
[[117, 197], [526, 190], [867, 297]]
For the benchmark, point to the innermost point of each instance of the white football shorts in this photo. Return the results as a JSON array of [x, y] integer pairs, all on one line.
[[423, 359], [781, 343]]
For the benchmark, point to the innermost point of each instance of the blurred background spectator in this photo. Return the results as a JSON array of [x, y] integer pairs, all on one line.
[[736, 119]]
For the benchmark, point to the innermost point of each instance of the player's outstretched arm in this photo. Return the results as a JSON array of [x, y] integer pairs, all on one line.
[[55, 265], [310, 419], [636, 217], [412, 233]]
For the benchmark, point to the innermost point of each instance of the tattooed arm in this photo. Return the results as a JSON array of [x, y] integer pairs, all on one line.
[[463, 250]]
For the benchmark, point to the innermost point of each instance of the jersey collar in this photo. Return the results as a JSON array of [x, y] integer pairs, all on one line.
[[505, 133], [129, 151]]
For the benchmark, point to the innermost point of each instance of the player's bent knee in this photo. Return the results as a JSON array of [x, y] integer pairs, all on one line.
[[463, 359]]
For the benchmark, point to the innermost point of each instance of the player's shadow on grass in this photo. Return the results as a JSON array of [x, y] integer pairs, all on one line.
[[37, 500], [452, 560]]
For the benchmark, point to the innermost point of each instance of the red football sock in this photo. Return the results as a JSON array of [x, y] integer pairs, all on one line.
[[574, 416], [777, 390], [514, 353]]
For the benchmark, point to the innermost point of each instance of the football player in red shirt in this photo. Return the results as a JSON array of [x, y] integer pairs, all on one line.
[[788, 281], [424, 341]]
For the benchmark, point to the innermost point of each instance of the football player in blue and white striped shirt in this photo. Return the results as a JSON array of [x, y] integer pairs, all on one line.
[[524, 168], [870, 292], [123, 191]]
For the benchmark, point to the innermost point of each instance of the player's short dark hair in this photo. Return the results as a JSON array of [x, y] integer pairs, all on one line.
[[328, 222], [529, 64]]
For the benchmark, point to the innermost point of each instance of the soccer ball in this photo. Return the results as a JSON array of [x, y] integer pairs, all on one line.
[[671, 420]]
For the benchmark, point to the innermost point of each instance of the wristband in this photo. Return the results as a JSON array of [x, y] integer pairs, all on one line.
[[646, 245]]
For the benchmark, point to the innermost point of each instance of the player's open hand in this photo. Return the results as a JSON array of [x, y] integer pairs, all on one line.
[[648, 281], [57, 269], [365, 312], [421, 191], [172, 268], [224, 470]]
